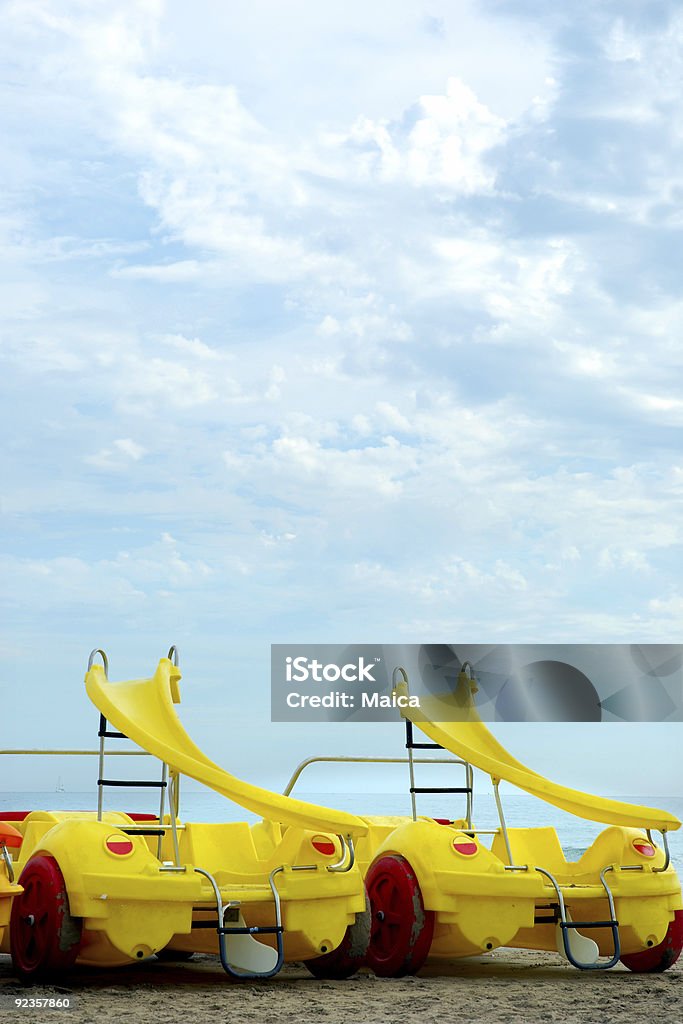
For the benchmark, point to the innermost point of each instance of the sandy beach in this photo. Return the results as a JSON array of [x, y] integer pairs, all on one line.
[[503, 988]]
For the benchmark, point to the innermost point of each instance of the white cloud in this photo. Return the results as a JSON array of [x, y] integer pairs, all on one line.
[[130, 448], [671, 606], [445, 145], [118, 457], [180, 271], [621, 44], [518, 283]]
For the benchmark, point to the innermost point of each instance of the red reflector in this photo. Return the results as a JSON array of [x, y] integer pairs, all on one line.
[[466, 847], [119, 844], [10, 836], [324, 845], [643, 848]]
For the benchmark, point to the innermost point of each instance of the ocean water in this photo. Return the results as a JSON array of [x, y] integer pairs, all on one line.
[[520, 810]]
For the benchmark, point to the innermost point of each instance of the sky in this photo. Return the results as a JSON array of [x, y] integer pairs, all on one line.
[[334, 323]]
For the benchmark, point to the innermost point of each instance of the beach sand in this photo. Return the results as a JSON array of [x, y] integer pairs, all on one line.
[[505, 987]]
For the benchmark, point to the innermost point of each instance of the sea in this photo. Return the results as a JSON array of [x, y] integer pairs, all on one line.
[[521, 810]]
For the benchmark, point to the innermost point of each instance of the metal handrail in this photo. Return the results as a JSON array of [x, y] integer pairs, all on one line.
[[667, 854], [364, 760], [79, 753], [501, 817], [346, 845], [105, 660], [7, 857]]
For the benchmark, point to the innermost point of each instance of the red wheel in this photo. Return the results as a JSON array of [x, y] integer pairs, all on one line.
[[402, 929], [659, 958], [349, 956], [44, 937]]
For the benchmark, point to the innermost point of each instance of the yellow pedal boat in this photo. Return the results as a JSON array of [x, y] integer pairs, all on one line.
[[438, 891], [107, 888]]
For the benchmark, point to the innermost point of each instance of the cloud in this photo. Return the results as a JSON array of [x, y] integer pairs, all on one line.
[[123, 584], [442, 142], [122, 451], [330, 332], [180, 271], [223, 182]]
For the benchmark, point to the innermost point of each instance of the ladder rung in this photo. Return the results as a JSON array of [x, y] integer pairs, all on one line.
[[132, 783], [441, 789], [412, 745], [112, 735]]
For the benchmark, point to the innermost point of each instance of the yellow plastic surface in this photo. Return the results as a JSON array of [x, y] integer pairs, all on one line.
[[143, 710], [471, 740]]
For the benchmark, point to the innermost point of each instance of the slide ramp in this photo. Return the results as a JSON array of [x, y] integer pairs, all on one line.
[[144, 710], [471, 740]]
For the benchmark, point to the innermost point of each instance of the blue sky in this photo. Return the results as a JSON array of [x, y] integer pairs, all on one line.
[[332, 322]]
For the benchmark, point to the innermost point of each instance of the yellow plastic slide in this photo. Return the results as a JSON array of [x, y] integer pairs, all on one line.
[[143, 710], [471, 740]]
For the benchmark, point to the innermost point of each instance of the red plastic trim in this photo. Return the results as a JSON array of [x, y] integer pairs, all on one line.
[[120, 845], [323, 845], [465, 847], [10, 836]]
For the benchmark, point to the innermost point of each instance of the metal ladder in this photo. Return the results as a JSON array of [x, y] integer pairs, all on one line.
[[105, 733], [412, 745]]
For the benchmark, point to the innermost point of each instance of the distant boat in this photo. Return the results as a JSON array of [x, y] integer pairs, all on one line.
[[59, 788]]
